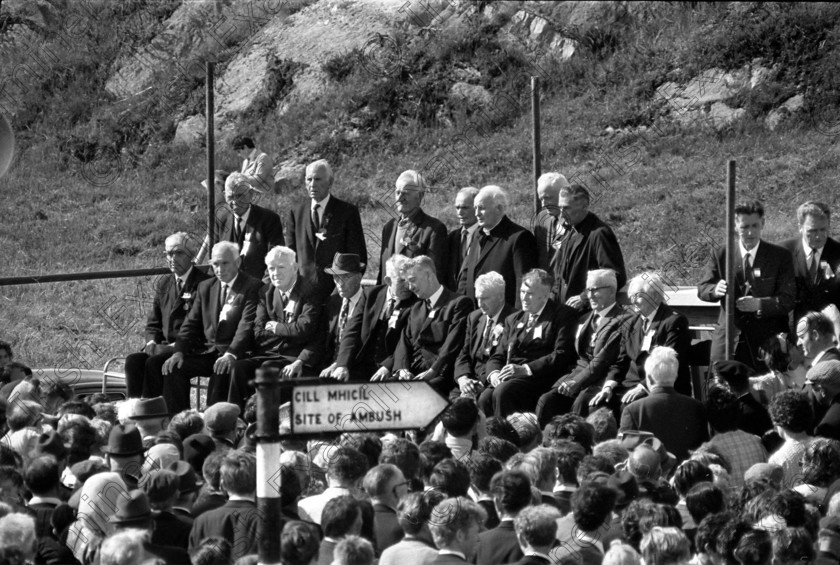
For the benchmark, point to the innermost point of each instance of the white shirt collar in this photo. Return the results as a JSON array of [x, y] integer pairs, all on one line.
[[540, 311], [817, 357], [185, 276], [244, 216], [230, 284], [321, 203], [433, 299], [452, 552], [807, 248], [472, 229], [353, 301], [43, 500], [603, 313], [753, 252]]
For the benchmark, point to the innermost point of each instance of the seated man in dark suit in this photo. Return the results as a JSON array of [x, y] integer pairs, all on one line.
[[217, 331], [434, 334], [502, 246], [342, 304], [677, 420], [816, 264], [511, 492], [372, 332], [254, 228], [455, 526], [598, 343], [536, 528], [174, 295], [537, 344], [484, 331], [460, 239], [586, 244], [654, 324], [323, 225], [415, 233], [764, 292], [286, 325]]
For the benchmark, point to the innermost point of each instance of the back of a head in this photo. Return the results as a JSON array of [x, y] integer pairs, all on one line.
[[377, 479], [238, 473], [571, 427], [17, 537], [482, 468], [722, 409], [497, 448], [537, 525], [703, 499], [661, 366], [569, 456], [690, 473], [461, 416], [212, 551], [621, 554], [415, 509], [639, 517], [593, 464], [644, 463], [791, 411], [544, 461], [754, 548], [299, 543], [404, 454], [604, 424], [186, 423], [347, 465], [340, 516], [431, 453], [511, 490], [613, 450], [527, 428], [665, 546], [708, 531], [125, 547], [501, 428], [451, 477], [592, 504], [367, 444], [454, 515], [42, 475], [212, 468], [792, 546], [353, 550]]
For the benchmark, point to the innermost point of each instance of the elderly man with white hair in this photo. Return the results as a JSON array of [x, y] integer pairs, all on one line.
[[677, 420], [484, 332], [286, 334], [547, 225], [217, 331], [414, 232], [322, 225], [253, 228], [598, 342], [653, 324], [174, 296], [503, 246]]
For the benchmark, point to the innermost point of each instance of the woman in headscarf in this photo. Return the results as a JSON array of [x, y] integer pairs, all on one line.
[[98, 502]]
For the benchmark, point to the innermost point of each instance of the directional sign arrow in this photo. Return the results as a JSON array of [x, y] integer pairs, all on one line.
[[363, 407]]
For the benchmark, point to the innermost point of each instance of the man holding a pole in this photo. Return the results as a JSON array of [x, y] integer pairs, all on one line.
[[764, 287]]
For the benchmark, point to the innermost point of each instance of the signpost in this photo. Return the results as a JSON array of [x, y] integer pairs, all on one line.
[[364, 407]]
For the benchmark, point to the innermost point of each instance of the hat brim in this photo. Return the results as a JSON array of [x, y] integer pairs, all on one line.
[[123, 453], [150, 416], [117, 520], [332, 271]]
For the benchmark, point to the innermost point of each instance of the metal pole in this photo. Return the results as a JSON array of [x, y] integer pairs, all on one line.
[[535, 135], [93, 275], [267, 383], [211, 157], [730, 259]]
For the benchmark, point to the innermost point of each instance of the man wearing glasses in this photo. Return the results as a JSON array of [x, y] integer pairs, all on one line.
[[598, 342], [174, 295]]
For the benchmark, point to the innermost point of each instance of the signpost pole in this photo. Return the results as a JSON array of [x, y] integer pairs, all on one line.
[[267, 383]]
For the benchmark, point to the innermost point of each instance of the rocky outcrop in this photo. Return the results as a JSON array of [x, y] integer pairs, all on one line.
[[791, 106]]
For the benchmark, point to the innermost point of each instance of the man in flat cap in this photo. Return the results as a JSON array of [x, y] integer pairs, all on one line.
[[161, 486], [346, 271], [824, 379], [221, 422]]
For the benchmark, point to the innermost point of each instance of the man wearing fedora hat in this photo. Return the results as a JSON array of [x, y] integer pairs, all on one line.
[[346, 271], [188, 487], [322, 225], [135, 512], [286, 326], [150, 416], [124, 453]]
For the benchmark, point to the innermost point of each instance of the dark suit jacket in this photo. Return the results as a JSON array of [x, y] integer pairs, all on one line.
[[296, 339], [670, 329], [677, 420], [170, 308], [601, 365], [754, 417], [509, 250], [448, 559], [472, 359], [829, 426], [236, 521], [171, 529], [431, 340], [545, 239], [263, 230], [812, 295], [386, 528], [591, 245], [492, 515], [775, 287], [358, 349], [547, 356], [453, 253], [533, 560], [425, 235], [498, 545], [341, 229], [202, 331]]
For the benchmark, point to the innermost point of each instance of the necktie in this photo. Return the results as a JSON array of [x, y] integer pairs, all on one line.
[[594, 330], [316, 219], [428, 306], [403, 223], [223, 296], [748, 271], [485, 339], [238, 233], [532, 320], [645, 325], [465, 242], [389, 309], [342, 321], [180, 285], [553, 236], [813, 269]]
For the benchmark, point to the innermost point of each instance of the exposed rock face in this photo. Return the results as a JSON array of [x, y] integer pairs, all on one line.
[[191, 131], [785, 111]]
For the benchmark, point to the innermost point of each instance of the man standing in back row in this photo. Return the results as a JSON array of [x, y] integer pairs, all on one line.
[[764, 288]]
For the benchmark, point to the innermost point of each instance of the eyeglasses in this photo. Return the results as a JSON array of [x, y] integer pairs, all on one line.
[[594, 289], [406, 484], [176, 253]]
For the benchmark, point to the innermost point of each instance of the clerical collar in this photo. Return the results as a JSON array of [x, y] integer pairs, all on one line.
[[753, 252], [488, 230]]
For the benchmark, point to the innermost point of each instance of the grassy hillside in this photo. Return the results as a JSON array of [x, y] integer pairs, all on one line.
[[665, 203]]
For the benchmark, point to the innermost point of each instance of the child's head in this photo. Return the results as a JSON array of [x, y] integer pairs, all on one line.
[[461, 417]]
